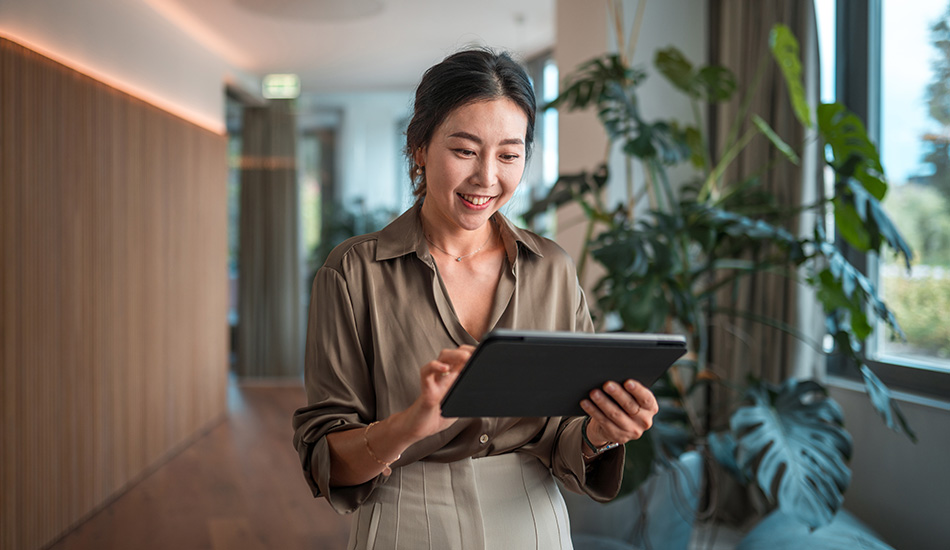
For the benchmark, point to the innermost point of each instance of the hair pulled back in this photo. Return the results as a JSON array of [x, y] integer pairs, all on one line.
[[460, 79]]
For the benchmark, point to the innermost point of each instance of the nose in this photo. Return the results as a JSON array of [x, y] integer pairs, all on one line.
[[486, 173]]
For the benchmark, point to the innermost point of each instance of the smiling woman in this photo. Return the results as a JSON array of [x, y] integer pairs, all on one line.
[[395, 316]]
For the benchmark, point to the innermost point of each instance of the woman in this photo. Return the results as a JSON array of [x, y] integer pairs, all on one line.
[[420, 293]]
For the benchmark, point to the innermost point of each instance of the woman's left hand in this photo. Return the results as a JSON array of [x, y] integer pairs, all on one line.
[[619, 413]]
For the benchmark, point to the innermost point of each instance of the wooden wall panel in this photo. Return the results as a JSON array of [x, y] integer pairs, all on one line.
[[113, 292]]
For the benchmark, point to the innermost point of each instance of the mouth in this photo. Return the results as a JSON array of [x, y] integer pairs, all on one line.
[[475, 201]]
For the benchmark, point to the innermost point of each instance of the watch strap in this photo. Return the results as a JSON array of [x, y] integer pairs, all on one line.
[[597, 450]]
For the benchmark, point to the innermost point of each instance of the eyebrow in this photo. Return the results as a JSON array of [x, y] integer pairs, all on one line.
[[476, 139]]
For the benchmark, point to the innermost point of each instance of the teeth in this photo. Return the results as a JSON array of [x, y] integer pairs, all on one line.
[[477, 201]]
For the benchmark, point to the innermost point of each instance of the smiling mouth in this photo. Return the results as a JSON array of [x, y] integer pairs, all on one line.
[[475, 200]]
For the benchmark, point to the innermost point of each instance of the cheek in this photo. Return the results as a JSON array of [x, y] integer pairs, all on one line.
[[512, 174]]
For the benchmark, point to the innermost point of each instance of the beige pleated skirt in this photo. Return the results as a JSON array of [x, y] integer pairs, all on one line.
[[501, 502]]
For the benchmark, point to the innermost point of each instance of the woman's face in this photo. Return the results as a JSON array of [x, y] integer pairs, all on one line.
[[473, 164]]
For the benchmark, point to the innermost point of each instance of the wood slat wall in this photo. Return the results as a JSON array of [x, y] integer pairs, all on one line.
[[113, 294]]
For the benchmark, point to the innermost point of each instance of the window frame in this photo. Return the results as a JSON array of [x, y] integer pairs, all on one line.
[[858, 36]]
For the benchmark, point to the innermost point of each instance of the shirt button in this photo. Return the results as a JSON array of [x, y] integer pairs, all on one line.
[[483, 439]]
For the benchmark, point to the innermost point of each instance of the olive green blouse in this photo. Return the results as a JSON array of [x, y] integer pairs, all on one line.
[[380, 311]]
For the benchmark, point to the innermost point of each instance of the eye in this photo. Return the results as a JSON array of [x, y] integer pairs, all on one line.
[[464, 152], [510, 157]]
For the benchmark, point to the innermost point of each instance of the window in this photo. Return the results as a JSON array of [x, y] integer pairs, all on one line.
[[542, 169], [891, 65], [915, 134]]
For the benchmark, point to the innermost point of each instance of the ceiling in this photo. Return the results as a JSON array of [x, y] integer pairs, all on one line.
[[348, 45]]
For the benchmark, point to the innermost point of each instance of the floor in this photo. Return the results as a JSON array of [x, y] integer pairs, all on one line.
[[239, 487]]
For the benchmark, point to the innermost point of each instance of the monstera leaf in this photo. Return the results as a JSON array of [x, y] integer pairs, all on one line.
[[619, 112], [791, 441], [784, 49], [851, 154], [888, 408], [585, 87], [722, 445], [843, 286], [861, 214], [569, 187], [778, 531], [710, 83]]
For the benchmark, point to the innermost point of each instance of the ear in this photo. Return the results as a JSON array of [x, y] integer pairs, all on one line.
[[420, 156]]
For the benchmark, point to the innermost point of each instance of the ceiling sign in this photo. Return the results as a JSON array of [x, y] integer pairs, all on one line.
[[281, 86]]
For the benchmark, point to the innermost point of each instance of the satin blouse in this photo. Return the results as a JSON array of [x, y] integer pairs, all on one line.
[[380, 311]]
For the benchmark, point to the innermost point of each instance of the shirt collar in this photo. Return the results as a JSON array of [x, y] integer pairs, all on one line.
[[404, 235]]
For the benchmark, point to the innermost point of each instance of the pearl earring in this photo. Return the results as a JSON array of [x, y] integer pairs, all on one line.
[[418, 170]]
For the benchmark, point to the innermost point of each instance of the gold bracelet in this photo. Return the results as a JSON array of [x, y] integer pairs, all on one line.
[[386, 465]]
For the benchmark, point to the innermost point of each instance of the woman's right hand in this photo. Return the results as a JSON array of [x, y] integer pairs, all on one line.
[[436, 377], [352, 462]]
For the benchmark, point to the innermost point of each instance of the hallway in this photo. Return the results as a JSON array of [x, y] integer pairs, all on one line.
[[238, 487]]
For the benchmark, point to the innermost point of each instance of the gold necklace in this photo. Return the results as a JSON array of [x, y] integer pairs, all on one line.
[[491, 233]]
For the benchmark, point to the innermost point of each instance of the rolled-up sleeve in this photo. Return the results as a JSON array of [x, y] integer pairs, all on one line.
[[339, 388]]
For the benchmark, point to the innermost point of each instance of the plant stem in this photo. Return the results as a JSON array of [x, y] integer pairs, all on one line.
[[747, 99], [704, 143], [631, 199], [784, 327], [691, 416], [709, 189], [738, 273], [618, 29], [585, 250], [635, 32], [650, 187]]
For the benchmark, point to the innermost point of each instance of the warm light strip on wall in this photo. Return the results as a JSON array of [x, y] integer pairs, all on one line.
[[113, 293], [209, 123]]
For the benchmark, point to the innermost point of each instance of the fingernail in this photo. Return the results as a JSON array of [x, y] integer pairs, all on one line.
[[610, 386], [630, 384]]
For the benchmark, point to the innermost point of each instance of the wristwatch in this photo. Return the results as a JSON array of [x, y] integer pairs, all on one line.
[[597, 450]]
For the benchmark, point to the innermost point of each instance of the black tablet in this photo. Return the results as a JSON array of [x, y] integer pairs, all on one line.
[[532, 374]]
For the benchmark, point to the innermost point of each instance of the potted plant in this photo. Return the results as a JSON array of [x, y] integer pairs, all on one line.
[[668, 249]]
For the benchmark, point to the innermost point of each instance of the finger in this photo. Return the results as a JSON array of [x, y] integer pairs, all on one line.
[[603, 429], [617, 415], [599, 423], [622, 397], [435, 370], [454, 357], [643, 395]]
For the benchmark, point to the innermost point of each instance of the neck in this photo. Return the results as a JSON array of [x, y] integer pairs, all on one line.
[[459, 244], [446, 234]]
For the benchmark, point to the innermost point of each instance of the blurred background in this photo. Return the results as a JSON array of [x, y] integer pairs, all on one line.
[[172, 173]]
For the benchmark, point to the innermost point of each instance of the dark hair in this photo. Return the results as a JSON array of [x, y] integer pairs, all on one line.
[[460, 79]]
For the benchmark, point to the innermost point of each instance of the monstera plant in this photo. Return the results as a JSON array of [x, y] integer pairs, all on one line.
[[667, 251]]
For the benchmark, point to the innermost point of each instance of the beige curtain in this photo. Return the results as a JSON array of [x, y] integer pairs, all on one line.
[[739, 31], [269, 338]]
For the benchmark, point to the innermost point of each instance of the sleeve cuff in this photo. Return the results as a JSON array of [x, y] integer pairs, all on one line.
[[600, 479]]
